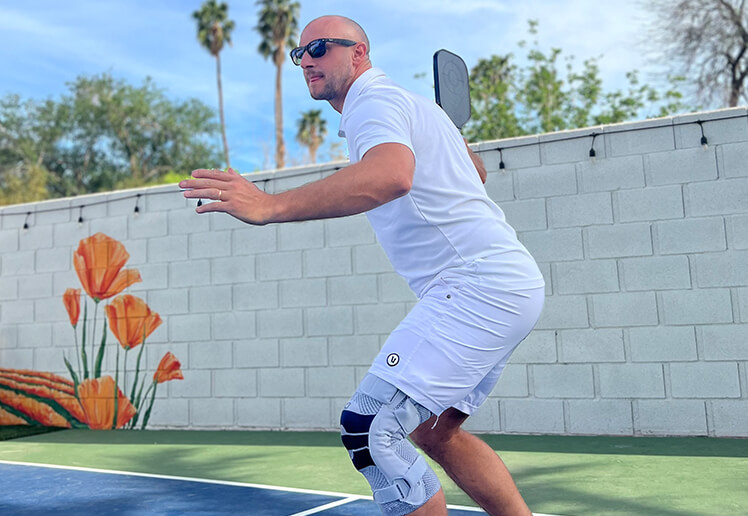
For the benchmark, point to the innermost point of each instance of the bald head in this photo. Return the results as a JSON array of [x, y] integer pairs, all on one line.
[[336, 26]]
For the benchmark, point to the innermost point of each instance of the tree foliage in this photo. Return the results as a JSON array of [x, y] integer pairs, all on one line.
[[101, 135], [278, 26], [706, 41], [545, 92]]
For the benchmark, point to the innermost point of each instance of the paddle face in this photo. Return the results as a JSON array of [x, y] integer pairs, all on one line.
[[452, 84]]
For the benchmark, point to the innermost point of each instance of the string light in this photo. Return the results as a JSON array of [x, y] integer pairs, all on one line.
[[592, 147], [502, 166], [26, 222], [80, 216], [704, 141], [136, 210]]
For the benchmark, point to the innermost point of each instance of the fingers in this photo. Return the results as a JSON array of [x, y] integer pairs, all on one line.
[[212, 206], [220, 175], [215, 194]]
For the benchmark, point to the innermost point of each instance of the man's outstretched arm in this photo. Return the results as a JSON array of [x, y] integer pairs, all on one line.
[[383, 174]]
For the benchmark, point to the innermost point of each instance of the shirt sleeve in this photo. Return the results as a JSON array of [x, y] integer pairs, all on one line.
[[375, 121]]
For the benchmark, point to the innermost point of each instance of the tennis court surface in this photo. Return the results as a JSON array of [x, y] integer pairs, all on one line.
[[299, 473]]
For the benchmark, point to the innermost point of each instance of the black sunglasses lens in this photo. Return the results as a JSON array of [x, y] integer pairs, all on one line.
[[316, 48]]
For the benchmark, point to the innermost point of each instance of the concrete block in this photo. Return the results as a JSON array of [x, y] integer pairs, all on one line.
[[737, 232], [639, 137], [303, 293], [148, 225], [225, 222], [196, 384], [8, 336], [691, 235], [369, 259], [258, 413], [656, 273], [723, 342], [254, 240], [349, 231], [570, 146], [8, 288], [192, 273], [212, 413], [17, 358], [232, 270], [352, 290], [9, 240], [393, 289], [167, 249], [256, 296], [301, 235], [115, 227], [717, 129], [210, 355], [353, 350], [51, 309], [235, 383], [671, 417], [16, 312], [35, 287], [631, 381], [233, 325], [619, 241], [70, 234], [280, 323], [529, 215], [210, 299], [50, 360], [599, 345], [163, 198], [623, 309], [589, 276], [649, 204], [743, 304], [731, 159], [697, 306], [256, 353], [717, 197], [600, 417], [485, 419], [611, 174], [279, 266], [662, 344], [729, 269], [307, 414], [381, 319], [168, 413], [547, 181], [538, 348], [64, 280], [54, 260], [562, 381], [500, 183], [326, 321], [304, 352], [580, 210], [169, 302], [210, 245], [289, 182], [52, 212], [564, 312], [730, 417], [35, 335], [282, 382], [327, 382], [681, 166], [518, 153], [18, 263], [186, 222], [705, 380], [37, 237], [533, 416], [189, 328], [513, 382], [554, 245], [327, 262]]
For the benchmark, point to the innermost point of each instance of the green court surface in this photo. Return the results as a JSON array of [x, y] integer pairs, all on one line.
[[556, 474]]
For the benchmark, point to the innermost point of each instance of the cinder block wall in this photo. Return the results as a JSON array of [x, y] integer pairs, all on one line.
[[644, 249]]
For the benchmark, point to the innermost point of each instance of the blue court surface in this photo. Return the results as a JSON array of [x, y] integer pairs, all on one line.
[[32, 489]]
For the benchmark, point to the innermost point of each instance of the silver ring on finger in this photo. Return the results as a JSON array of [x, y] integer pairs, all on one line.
[[220, 193]]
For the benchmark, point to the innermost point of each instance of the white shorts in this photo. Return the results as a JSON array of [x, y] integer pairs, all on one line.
[[450, 350]]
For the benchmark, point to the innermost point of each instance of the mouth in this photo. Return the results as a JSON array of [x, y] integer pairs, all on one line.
[[311, 78]]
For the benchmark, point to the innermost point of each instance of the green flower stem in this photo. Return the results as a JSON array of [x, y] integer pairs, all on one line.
[[77, 350], [93, 332], [116, 387], [150, 407], [74, 376], [137, 370], [84, 356], [100, 354]]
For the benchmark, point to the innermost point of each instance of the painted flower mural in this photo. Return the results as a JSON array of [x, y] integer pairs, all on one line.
[[90, 399]]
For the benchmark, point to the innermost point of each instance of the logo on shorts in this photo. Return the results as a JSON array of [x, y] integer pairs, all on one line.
[[393, 359]]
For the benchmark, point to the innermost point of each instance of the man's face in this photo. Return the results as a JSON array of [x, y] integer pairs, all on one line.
[[327, 77]]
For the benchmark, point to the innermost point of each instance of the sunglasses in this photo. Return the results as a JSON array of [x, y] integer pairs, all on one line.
[[317, 48]]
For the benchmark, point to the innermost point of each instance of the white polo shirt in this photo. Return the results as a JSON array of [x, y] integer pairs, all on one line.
[[446, 223]]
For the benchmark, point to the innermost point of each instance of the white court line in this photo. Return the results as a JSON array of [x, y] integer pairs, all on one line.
[[347, 497]]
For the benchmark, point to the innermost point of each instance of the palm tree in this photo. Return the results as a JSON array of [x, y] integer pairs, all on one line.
[[278, 26], [213, 30], [312, 130]]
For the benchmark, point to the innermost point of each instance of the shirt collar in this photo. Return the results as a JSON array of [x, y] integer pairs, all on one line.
[[356, 88]]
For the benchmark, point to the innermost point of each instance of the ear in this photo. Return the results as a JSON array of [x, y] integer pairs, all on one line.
[[359, 53]]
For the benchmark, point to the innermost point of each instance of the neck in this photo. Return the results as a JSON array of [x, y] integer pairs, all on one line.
[[338, 102]]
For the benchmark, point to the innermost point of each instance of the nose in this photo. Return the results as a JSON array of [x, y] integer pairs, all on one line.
[[306, 60]]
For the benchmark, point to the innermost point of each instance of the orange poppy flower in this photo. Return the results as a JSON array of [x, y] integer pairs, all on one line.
[[97, 399], [72, 301], [131, 319], [168, 369], [98, 262]]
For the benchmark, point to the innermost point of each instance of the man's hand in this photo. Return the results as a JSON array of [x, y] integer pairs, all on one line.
[[478, 162], [235, 195]]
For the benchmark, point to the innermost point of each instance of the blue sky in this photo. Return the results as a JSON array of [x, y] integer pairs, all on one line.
[[44, 44]]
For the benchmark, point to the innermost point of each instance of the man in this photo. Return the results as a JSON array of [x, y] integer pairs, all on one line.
[[480, 292]]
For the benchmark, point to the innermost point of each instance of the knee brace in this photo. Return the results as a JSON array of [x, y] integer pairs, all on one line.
[[374, 428]]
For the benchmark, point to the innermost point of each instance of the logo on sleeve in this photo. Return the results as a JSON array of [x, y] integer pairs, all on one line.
[[393, 359]]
